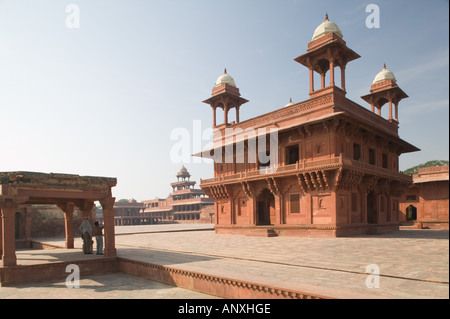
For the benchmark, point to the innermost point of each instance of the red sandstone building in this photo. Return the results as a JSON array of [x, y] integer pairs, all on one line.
[[129, 213], [185, 204], [335, 168], [426, 203]]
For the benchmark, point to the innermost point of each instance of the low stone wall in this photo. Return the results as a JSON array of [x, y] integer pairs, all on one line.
[[208, 284], [55, 270]]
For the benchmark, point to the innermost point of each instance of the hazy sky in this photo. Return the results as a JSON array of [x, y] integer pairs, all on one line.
[[103, 99]]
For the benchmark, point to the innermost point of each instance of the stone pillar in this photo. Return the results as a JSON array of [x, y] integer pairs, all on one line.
[[225, 115], [68, 209], [390, 110], [237, 114], [311, 80], [396, 111], [343, 77], [280, 213], [1, 230], [27, 211], [108, 230], [214, 117], [8, 211], [322, 80], [331, 72]]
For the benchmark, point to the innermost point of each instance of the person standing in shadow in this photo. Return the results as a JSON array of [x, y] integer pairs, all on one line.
[[98, 233], [86, 235]]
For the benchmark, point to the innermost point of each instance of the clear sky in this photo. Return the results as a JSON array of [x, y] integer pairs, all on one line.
[[103, 99]]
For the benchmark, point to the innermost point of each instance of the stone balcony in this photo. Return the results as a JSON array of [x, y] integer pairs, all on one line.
[[327, 164]]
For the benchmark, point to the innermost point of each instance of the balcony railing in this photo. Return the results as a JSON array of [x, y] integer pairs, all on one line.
[[279, 170], [305, 166]]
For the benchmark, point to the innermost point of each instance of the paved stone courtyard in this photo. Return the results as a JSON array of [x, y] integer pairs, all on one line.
[[412, 263]]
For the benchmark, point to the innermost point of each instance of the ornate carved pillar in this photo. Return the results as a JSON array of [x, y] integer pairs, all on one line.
[[68, 209], [108, 230]]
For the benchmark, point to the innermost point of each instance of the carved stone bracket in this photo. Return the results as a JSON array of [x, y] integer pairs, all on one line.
[[273, 186]]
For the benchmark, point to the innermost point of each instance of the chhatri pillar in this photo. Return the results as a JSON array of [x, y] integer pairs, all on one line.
[[384, 89], [225, 95], [325, 52]]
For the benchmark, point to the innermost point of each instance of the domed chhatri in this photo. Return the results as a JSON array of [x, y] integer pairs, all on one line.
[[290, 103], [183, 172], [225, 79], [384, 75], [326, 27]]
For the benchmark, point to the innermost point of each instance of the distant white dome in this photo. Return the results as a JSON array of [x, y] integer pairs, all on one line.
[[326, 27], [225, 79], [384, 75], [290, 103]]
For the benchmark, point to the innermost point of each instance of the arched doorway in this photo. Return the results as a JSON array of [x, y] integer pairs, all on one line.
[[265, 204], [372, 214], [411, 213]]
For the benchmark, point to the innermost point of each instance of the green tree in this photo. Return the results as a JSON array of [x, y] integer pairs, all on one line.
[[415, 169]]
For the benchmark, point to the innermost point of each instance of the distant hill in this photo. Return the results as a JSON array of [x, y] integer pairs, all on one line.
[[415, 169]]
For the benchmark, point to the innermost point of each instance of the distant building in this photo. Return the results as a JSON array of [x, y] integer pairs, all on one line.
[[425, 203], [129, 213], [186, 204]]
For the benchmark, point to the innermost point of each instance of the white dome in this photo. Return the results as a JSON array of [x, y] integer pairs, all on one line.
[[225, 79], [290, 103], [326, 27], [384, 75]]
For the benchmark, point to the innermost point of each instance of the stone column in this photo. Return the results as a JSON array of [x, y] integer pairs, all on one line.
[[390, 110], [108, 230], [225, 115], [214, 117], [322, 80], [331, 72], [279, 217], [237, 114], [311, 80], [396, 111], [27, 211], [343, 77], [68, 209], [1, 230], [8, 211]]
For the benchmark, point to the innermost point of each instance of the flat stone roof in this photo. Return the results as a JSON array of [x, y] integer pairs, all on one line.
[[22, 178]]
